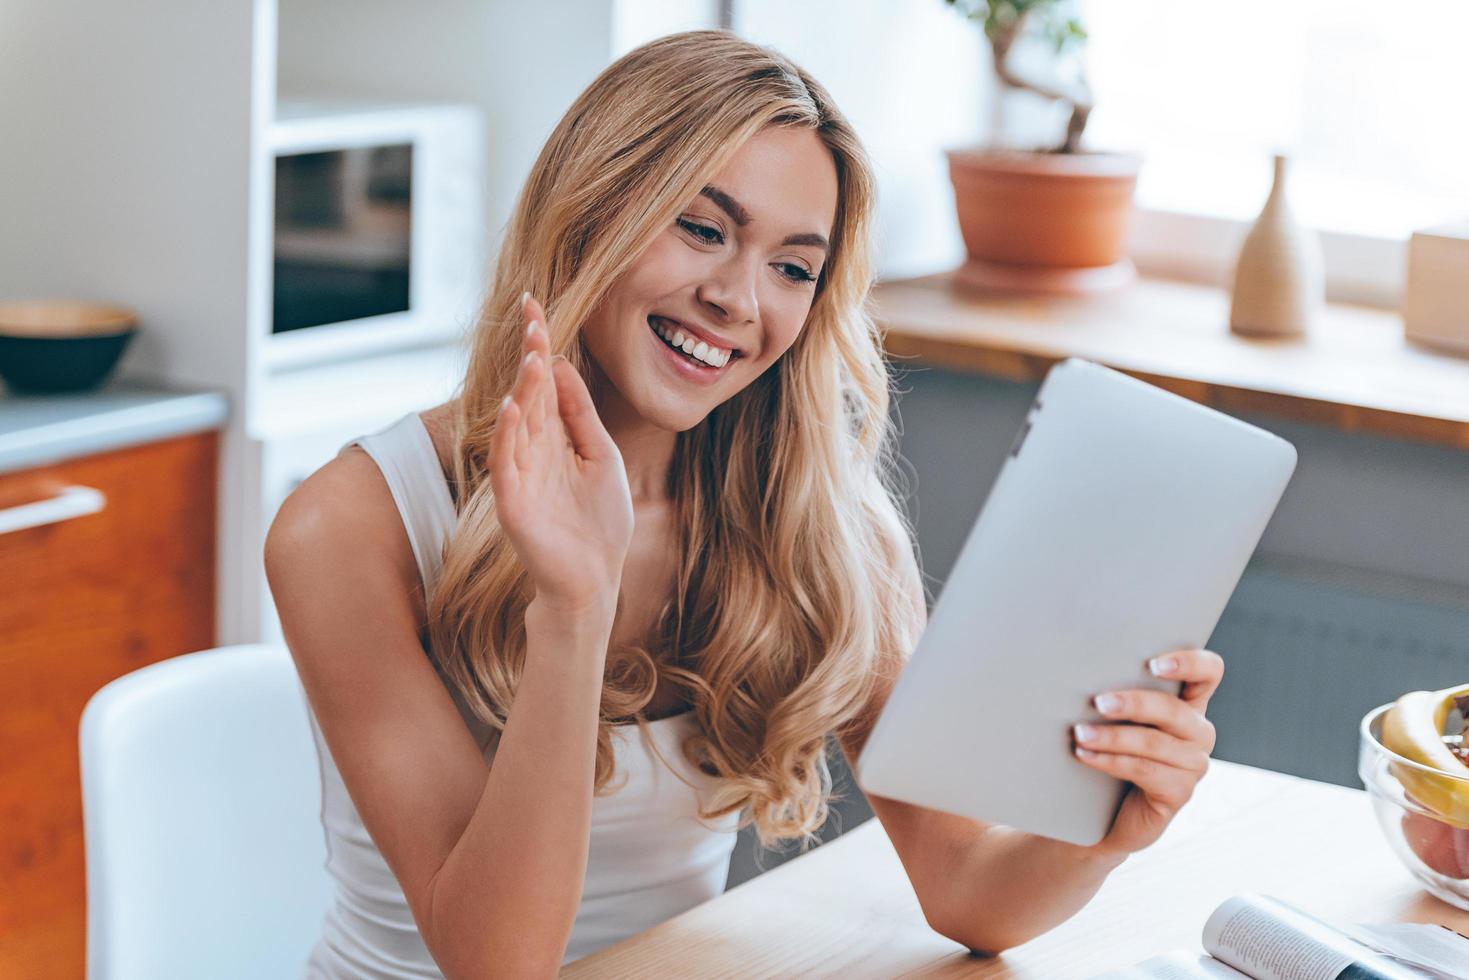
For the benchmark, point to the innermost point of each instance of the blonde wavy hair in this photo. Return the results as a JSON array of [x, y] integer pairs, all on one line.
[[789, 609]]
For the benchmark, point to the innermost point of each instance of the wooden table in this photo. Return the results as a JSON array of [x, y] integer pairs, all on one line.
[[1355, 372], [847, 909]]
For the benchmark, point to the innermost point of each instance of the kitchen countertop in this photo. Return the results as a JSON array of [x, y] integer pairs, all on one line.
[[36, 430]]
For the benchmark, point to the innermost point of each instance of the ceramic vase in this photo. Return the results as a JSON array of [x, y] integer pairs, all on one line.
[[1279, 285]]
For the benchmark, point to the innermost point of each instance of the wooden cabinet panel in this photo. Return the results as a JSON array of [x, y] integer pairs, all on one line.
[[84, 601]]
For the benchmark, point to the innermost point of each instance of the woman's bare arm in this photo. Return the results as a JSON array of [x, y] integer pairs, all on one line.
[[491, 860]]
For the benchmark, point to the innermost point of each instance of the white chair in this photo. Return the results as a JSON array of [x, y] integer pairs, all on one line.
[[201, 797]]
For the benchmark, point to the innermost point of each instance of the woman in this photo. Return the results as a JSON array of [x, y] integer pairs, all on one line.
[[651, 556]]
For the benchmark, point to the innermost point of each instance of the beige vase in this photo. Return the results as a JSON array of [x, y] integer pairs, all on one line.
[[1279, 285]]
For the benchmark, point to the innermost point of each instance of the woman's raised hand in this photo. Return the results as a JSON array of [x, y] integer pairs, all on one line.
[[560, 487]]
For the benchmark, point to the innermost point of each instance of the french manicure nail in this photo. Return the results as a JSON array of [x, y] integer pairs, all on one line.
[[530, 328], [1161, 665], [1107, 703], [524, 296], [530, 356], [1085, 733]]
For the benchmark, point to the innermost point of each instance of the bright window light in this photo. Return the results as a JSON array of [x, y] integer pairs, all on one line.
[[1367, 98]]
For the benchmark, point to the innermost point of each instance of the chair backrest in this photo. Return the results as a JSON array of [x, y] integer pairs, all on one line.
[[201, 795]]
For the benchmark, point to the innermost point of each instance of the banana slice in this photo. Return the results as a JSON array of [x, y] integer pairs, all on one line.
[[1413, 728]]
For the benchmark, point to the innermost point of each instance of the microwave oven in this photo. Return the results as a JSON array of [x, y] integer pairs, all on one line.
[[378, 228]]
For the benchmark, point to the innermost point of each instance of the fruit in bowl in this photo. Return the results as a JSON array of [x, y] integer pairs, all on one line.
[[1417, 773], [1441, 846]]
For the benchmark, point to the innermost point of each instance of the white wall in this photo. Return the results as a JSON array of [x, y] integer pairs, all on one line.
[[913, 78], [124, 170], [636, 22]]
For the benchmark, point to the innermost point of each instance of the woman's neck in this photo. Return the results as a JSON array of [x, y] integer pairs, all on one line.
[[647, 450]]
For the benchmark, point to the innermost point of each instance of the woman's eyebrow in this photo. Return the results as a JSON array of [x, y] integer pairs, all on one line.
[[730, 205], [741, 217], [809, 238]]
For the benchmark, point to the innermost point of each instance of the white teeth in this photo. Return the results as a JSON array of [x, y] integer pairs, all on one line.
[[712, 356]]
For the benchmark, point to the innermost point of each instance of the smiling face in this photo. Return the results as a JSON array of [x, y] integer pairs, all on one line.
[[729, 283]]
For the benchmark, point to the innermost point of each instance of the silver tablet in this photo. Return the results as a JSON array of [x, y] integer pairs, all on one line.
[[1117, 530]]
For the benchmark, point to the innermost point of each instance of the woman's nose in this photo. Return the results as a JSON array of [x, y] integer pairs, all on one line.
[[731, 291]]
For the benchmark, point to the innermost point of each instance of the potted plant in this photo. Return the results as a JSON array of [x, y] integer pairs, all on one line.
[[1047, 219]]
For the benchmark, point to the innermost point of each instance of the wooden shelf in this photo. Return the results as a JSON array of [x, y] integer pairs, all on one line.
[[1356, 372]]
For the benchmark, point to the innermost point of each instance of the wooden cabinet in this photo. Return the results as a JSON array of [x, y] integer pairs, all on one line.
[[82, 601]]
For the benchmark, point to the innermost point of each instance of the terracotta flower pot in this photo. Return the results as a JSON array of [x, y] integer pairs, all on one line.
[[1038, 222]]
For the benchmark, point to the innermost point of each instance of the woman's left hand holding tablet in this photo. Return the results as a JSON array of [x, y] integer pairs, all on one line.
[[1160, 743]]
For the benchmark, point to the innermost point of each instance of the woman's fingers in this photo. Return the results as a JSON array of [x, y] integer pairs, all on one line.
[[532, 309], [521, 394], [1168, 785], [1200, 670], [504, 472], [533, 377], [1144, 742], [550, 421], [541, 407], [583, 426], [1161, 710], [553, 400]]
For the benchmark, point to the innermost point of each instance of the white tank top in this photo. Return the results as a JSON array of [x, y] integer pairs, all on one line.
[[650, 857]]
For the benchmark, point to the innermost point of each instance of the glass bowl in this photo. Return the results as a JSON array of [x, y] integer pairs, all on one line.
[[1432, 845]]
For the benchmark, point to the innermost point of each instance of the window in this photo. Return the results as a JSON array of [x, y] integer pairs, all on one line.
[[1366, 98]]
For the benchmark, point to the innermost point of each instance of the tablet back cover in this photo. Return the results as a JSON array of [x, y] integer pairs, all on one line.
[[1117, 531]]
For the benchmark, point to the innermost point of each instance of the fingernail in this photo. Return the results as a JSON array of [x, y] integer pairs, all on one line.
[[1162, 665], [1085, 733], [530, 328], [504, 403], [530, 356], [524, 296], [1085, 753], [1107, 703]]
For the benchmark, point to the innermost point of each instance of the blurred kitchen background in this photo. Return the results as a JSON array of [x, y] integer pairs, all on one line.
[[300, 201]]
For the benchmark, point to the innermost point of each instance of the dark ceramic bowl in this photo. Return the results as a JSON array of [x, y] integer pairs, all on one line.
[[56, 346]]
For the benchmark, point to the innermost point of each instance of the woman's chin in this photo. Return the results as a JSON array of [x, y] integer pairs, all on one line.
[[668, 409], [669, 418]]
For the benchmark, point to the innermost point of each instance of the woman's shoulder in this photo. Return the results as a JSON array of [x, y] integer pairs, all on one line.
[[343, 516], [349, 493]]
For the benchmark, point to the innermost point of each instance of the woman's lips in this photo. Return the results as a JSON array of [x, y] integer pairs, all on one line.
[[712, 341], [686, 367]]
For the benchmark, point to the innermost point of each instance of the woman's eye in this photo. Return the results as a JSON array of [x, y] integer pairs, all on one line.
[[702, 232], [712, 236], [796, 273]]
